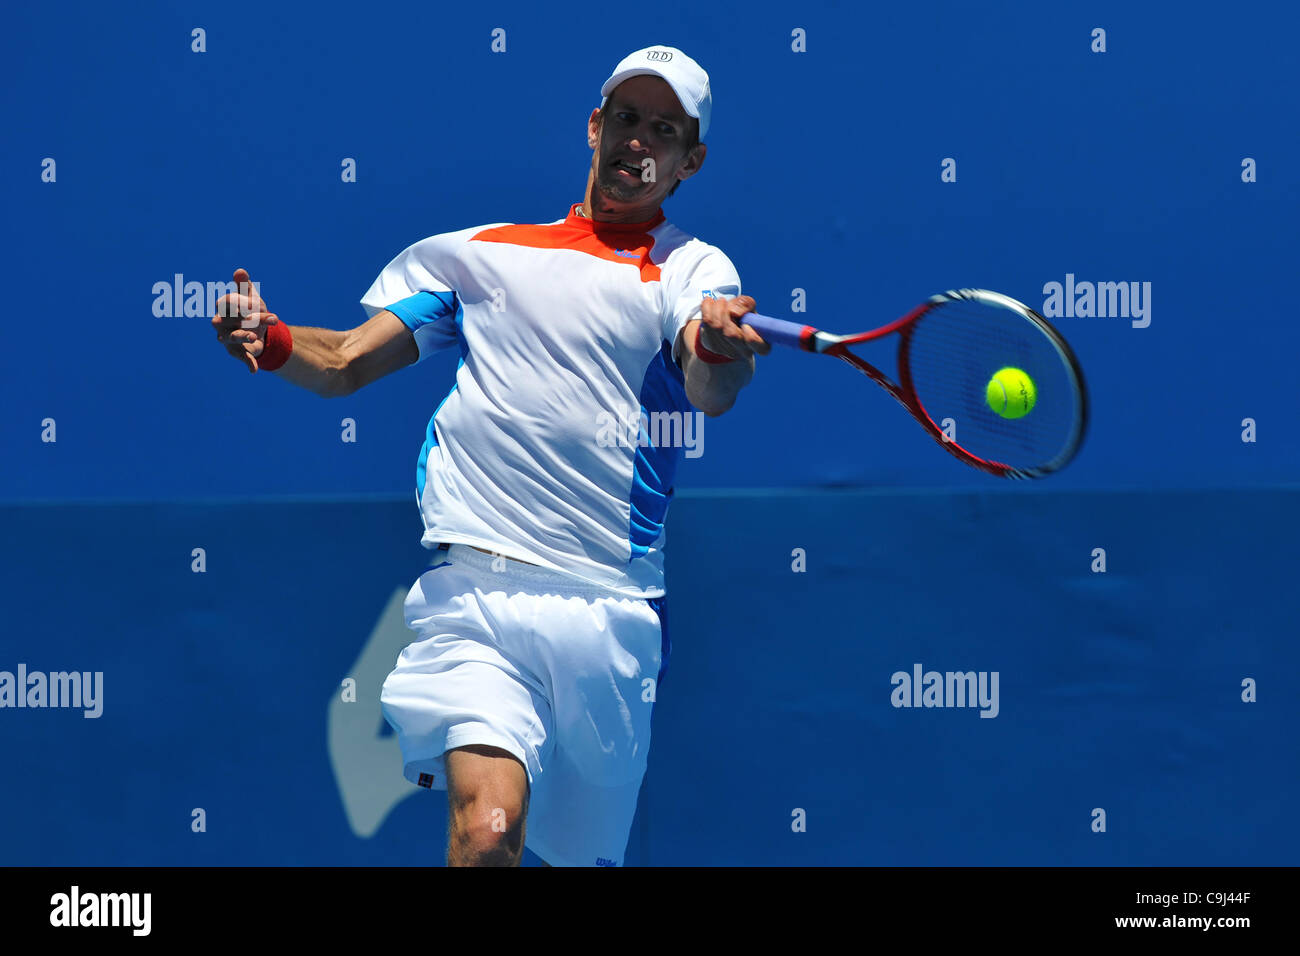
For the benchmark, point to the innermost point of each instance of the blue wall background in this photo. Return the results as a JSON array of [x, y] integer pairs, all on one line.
[[823, 174], [1119, 690]]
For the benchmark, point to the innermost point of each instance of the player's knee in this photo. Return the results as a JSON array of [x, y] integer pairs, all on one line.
[[488, 832], [483, 847], [487, 796]]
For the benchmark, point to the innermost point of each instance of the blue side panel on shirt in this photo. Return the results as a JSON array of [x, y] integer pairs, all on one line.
[[664, 390], [430, 433]]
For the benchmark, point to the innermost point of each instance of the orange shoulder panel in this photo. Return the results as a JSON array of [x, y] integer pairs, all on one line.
[[613, 245]]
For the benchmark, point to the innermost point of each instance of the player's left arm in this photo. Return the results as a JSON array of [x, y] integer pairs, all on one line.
[[712, 386]]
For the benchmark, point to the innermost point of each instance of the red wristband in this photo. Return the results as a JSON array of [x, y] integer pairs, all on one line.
[[704, 355], [277, 348]]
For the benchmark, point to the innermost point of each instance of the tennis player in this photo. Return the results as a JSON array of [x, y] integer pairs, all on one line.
[[540, 627]]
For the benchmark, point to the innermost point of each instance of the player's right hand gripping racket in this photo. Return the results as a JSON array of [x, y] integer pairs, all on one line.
[[949, 350]]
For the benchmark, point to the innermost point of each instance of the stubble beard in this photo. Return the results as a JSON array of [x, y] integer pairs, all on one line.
[[609, 186]]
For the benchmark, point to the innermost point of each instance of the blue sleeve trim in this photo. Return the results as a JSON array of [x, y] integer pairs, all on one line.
[[424, 308]]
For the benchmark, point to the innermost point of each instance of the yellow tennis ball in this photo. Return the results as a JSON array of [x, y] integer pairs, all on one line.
[[1012, 393]]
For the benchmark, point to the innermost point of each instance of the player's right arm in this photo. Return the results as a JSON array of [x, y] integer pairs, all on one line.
[[325, 361]]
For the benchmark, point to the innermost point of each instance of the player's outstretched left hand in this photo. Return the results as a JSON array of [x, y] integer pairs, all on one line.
[[721, 331]]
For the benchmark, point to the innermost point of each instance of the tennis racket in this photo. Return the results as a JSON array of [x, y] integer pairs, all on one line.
[[949, 348]]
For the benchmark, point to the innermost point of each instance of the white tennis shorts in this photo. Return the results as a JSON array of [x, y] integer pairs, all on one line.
[[561, 674]]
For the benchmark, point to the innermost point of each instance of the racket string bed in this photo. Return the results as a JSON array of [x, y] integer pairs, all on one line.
[[954, 350]]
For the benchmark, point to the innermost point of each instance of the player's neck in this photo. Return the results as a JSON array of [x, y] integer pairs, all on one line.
[[596, 208]]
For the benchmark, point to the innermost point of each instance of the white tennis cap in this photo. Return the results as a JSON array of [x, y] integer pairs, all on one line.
[[684, 75]]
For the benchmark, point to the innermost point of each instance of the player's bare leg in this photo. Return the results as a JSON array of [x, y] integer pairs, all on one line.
[[487, 802]]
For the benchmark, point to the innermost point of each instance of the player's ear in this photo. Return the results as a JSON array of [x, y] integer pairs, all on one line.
[[693, 161], [593, 129]]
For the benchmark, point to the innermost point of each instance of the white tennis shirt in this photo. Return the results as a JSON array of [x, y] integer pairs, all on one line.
[[562, 329]]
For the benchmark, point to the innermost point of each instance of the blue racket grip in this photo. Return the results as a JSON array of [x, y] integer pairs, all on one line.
[[780, 331]]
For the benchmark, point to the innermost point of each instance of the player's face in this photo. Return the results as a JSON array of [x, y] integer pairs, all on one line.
[[643, 121]]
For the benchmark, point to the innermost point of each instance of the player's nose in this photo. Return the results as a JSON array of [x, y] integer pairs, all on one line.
[[639, 140]]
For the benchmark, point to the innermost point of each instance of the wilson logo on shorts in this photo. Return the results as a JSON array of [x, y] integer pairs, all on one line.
[[426, 781], [601, 861]]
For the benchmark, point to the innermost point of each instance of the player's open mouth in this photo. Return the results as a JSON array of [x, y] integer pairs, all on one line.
[[630, 169]]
